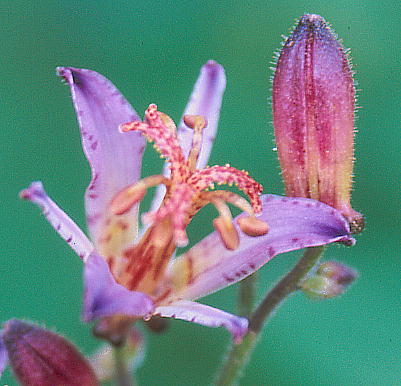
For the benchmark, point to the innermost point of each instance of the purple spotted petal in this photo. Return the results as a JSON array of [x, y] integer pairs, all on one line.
[[58, 219], [206, 316], [3, 356], [115, 158], [295, 223], [205, 100], [104, 297]]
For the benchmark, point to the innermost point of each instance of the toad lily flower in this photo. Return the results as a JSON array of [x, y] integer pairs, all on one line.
[[137, 276]]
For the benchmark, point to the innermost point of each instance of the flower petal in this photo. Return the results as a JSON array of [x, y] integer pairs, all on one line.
[[3, 356], [59, 220], [115, 158], [205, 100], [104, 297], [206, 316], [295, 223]]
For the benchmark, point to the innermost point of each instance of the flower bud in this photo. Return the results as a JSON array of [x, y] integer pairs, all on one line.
[[313, 115], [42, 358], [331, 279]]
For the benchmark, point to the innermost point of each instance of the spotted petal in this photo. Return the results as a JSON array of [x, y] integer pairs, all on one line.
[[205, 100], [104, 297], [115, 158], [58, 219], [206, 316], [294, 223]]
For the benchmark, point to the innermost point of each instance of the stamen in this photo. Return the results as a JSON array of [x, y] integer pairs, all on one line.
[[224, 225], [177, 208], [129, 196], [198, 123], [231, 198], [252, 226]]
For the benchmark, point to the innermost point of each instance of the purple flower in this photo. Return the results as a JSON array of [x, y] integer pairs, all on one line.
[[133, 272]]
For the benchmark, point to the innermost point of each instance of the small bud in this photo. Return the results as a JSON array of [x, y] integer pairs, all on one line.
[[338, 272], [313, 114], [331, 279], [42, 358]]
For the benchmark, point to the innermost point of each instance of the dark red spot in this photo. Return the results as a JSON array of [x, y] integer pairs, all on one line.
[[229, 279]]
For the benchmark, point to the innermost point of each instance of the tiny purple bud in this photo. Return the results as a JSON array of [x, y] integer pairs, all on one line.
[[313, 114], [338, 272], [331, 279], [42, 358]]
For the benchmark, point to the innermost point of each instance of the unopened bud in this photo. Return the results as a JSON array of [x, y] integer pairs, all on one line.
[[313, 113], [331, 279], [42, 358]]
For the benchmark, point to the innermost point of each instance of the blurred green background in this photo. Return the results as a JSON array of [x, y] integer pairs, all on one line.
[[153, 51]]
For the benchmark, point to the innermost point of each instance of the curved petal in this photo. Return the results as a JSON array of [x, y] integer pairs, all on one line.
[[205, 100], [3, 356], [114, 158], [206, 316], [58, 219], [294, 223], [104, 297]]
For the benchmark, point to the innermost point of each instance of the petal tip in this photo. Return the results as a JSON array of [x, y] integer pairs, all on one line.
[[213, 68], [34, 189]]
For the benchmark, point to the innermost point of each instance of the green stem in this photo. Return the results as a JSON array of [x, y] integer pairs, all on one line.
[[246, 297], [240, 354], [121, 372]]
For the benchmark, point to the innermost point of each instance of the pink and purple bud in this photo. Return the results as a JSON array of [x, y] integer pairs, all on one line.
[[313, 114], [331, 279], [42, 358]]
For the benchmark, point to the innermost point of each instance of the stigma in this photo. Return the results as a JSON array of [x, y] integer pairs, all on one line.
[[189, 189]]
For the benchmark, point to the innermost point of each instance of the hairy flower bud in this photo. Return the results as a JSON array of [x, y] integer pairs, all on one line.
[[331, 279], [42, 358], [313, 113]]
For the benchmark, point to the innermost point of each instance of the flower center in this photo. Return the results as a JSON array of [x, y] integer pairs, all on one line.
[[188, 190]]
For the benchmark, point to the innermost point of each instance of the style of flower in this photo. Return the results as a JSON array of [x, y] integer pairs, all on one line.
[[134, 273]]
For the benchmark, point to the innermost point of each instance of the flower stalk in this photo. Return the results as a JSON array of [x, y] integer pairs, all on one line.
[[122, 375], [239, 354], [247, 293]]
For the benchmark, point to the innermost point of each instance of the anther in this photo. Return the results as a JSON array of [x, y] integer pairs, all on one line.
[[252, 226]]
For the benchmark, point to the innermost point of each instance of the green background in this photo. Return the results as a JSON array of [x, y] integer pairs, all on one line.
[[153, 51]]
